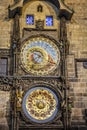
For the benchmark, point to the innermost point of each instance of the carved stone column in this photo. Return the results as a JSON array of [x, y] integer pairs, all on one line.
[[65, 44], [15, 43], [16, 32], [63, 34]]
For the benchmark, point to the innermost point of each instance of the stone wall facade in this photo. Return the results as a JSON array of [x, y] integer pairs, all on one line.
[[77, 36], [76, 72]]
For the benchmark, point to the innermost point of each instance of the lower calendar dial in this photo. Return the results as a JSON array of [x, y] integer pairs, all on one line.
[[40, 104]]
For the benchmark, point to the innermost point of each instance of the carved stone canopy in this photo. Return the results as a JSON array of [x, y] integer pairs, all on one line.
[[64, 11]]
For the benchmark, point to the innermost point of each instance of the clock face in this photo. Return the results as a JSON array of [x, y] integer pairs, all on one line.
[[40, 104], [39, 56]]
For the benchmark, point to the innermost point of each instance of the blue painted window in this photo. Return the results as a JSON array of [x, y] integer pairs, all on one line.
[[30, 19], [49, 20]]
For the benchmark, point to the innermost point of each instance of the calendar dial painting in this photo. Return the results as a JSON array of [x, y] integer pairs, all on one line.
[[39, 56], [40, 104]]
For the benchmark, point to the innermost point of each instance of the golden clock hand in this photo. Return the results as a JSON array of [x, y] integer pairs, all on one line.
[[37, 54], [36, 59]]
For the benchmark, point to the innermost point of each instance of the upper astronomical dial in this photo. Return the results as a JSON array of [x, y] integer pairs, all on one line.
[[39, 56]]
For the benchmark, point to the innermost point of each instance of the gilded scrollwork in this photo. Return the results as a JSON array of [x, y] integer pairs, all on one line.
[[19, 96]]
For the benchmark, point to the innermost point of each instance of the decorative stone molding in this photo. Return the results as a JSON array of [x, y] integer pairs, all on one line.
[[4, 52], [5, 87], [64, 11], [39, 24]]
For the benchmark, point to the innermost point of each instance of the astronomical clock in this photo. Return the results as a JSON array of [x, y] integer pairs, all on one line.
[[39, 56], [39, 49], [40, 59]]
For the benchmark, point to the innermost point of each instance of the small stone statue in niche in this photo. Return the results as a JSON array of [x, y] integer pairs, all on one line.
[[39, 8]]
